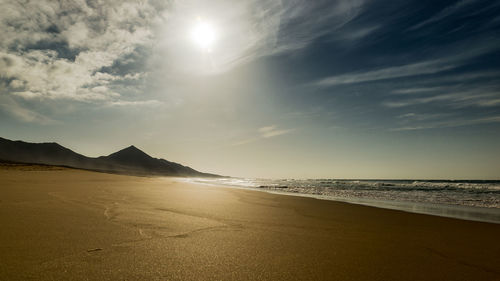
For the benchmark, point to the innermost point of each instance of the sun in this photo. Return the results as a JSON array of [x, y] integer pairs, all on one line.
[[203, 35]]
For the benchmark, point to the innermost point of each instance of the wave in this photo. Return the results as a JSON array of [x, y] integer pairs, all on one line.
[[464, 193]]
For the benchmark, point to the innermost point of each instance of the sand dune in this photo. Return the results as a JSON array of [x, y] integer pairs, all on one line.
[[64, 224]]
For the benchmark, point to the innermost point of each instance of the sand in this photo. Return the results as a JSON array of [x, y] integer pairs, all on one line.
[[64, 224]]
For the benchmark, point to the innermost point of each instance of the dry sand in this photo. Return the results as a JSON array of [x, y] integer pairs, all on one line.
[[64, 224]]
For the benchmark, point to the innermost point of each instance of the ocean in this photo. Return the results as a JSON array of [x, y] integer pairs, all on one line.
[[477, 200]]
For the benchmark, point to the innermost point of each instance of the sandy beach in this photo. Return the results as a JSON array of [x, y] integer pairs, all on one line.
[[65, 224]]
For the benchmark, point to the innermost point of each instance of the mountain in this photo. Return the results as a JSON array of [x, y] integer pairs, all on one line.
[[40, 153], [130, 160]]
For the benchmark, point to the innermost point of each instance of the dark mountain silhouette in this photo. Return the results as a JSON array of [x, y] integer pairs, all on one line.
[[133, 158], [129, 155], [130, 160]]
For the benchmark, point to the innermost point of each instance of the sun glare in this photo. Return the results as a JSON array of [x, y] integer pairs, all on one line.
[[203, 35]]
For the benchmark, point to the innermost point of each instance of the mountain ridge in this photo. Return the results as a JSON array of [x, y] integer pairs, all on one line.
[[129, 160]]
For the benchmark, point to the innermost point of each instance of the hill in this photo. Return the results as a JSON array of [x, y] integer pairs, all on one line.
[[130, 160]]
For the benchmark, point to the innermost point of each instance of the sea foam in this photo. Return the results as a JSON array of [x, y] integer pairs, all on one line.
[[474, 200]]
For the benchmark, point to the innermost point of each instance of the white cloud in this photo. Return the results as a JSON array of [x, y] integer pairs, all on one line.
[[248, 29], [433, 83], [425, 67], [419, 68], [272, 131], [421, 116], [362, 32], [451, 100], [416, 90], [59, 52], [446, 12], [267, 129], [475, 97], [16, 84], [98, 34], [76, 34], [264, 133], [136, 103], [450, 123], [20, 113]]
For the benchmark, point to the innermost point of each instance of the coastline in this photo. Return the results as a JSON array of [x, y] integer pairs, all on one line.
[[77, 225], [471, 213]]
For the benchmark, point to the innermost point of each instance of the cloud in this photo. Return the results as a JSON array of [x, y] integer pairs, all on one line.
[[59, 52], [361, 33], [462, 77], [80, 50], [249, 29], [425, 67], [136, 103], [450, 123], [457, 105], [22, 114], [452, 97], [272, 131], [446, 12], [301, 22], [264, 133], [421, 116], [413, 69], [416, 90]]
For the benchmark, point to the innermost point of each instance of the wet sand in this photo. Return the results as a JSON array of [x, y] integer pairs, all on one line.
[[64, 224]]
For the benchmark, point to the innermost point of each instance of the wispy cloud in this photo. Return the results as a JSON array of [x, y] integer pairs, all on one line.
[[421, 116], [264, 133], [22, 114], [478, 97], [450, 123], [250, 29], [419, 68], [446, 12], [424, 67], [272, 131], [136, 103], [416, 90], [298, 28], [464, 77], [361, 32], [456, 103]]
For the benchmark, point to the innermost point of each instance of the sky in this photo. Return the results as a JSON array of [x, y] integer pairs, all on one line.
[[270, 89]]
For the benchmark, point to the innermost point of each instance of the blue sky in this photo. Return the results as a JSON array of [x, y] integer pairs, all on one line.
[[344, 89]]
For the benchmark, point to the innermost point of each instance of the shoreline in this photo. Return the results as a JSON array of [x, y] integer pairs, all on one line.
[[468, 213]]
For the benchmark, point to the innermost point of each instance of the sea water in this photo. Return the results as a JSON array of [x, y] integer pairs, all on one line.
[[465, 199]]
